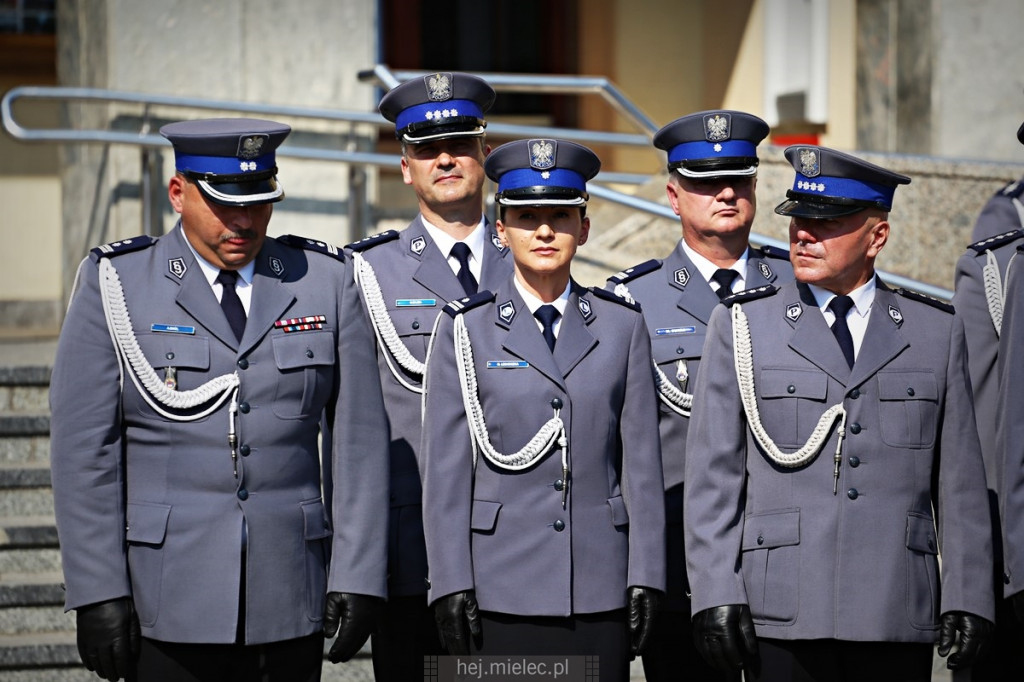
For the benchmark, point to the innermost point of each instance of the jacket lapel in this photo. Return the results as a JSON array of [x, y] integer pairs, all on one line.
[[195, 295], [574, 338], [523, 338], [813, 339], [432, 271], [271, 298], [695, 295], [494, 270], [883, 338]]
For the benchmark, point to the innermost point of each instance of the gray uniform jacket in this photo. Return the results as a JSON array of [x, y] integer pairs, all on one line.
[[1010, 441], [416, 282], [677, 303], [149, 508], [861, 564], [1003, 212], [505, 533], [971, 300]]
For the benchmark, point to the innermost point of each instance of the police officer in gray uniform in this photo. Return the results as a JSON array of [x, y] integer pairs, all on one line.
[[712, 165], [541, 467], [827, 468], [405, 278], [982, 273], [1010, 448], [192, 374]]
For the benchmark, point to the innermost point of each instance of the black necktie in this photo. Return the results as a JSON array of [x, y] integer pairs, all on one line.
[[840, 305], [725, 278], [465, 275], [547, 314], [230, 303]]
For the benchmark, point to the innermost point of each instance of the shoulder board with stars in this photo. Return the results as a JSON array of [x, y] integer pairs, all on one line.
[[996, 241], [751, 294], [774, 252], [918, 296], [312, 245], [635, 271], [615, 298], [124, 246], [461, 305], [1014, 189], [373, 240]]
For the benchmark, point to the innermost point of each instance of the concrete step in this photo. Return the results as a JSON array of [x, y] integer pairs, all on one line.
[[40, 589], [57, 652], [26, 501], [25, 450], [18, 398], [12, 425], [29, 561], [24, 620], [27, 531]]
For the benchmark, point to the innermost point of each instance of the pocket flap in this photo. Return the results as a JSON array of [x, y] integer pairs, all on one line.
[[620, 517], [921, 534], [304, 349], [682, 346], [414, 320], [907, 386], [771, 529], [175, 350], [147, 523], [485, 515], [792, 383], [315, 520]]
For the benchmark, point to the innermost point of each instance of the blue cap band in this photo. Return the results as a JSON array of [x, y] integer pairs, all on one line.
[[529, 177], [437, 112], [702, 149], [845, 188], [222, 165]]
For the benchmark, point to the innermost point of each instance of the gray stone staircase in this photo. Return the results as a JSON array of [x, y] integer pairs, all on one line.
[[37, 639]]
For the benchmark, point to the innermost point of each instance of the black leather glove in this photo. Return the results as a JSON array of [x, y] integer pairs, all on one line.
[[453, 614], [353, 617], [975, 635], [643, 609], [724, 636], [108, 637]]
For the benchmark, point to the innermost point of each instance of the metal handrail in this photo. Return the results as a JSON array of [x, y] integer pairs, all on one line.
[[388, 79]]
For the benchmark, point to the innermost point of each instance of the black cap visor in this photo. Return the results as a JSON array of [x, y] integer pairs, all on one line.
[[460, 126], [542, 196], [741, 166], [800, 205], [235, 191]]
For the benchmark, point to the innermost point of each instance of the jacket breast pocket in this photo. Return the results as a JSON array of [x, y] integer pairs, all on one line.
[[414, 325], [305, 363], [908, 408], [145, 532], [771, 564], [791, 403], [188, 355]]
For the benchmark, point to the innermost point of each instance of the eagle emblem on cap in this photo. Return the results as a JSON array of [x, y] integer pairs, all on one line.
[[439, 86], [249, 147], [716, 127], [542, 154], [809, 165]]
